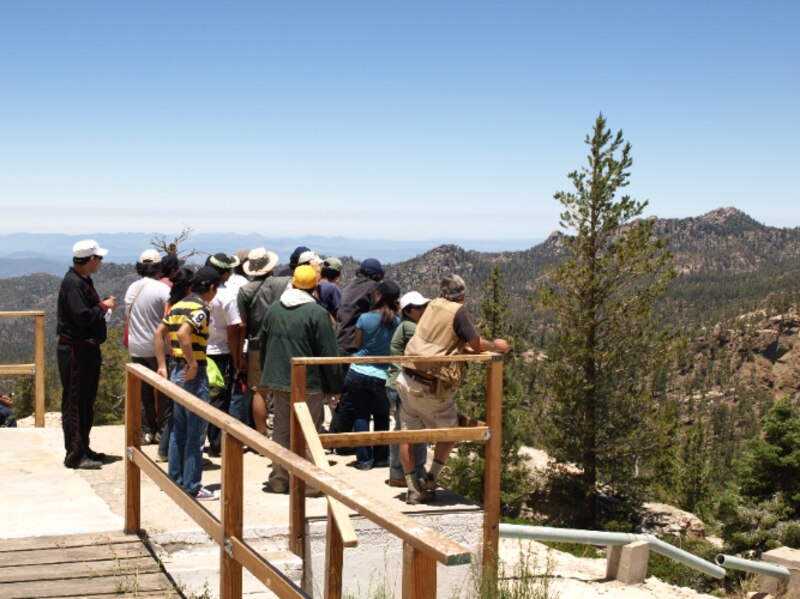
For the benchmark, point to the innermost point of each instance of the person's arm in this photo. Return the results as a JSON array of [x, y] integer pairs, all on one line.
[[158, 344], [479, 344], [232, 332], [6, 401], [185, 341], [357, 338]]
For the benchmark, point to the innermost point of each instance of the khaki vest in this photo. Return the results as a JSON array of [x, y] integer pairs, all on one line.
[[435, 336]]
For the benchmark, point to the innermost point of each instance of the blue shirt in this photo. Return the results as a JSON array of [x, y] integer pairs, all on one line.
[[376, 340]]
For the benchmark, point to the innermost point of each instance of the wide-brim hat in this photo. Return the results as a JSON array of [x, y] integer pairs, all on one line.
[[260, 261]]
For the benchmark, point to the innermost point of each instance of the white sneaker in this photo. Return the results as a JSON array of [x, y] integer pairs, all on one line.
[[205, 495]]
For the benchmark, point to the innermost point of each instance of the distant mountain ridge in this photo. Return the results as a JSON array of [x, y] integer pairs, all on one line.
[[26, 253]]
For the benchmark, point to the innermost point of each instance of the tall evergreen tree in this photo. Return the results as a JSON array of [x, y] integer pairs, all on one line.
[[601, 353]]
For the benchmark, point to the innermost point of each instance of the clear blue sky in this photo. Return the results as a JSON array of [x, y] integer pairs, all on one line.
[[387, 119]]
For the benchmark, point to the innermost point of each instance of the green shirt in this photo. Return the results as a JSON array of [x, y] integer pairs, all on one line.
[[403, 333]]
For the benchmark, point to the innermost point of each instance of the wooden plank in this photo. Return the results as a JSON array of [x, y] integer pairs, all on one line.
[[340, 515], [17, 369], [275, 580], [66, 570], [484, 357], [419, 574], [163, 594], [428, 435], [133, 440], [230, 581], [193, 509], [57, 555], [492, 470], [62, 542], [297, 486], [120, 585], [334, 558], [21, 313], [39, 375]]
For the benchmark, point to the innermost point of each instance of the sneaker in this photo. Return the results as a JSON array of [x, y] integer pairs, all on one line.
[[363, 465], [147, 438], [381, 464], [278, 488], [161, 457], [97, 456], [205, 495], [427, 483], [396, 482]]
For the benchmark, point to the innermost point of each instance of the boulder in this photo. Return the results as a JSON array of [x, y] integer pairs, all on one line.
[[661, 519]]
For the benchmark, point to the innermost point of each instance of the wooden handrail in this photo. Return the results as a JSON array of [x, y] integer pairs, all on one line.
[[483, 357], [427, 545], [37, 369]]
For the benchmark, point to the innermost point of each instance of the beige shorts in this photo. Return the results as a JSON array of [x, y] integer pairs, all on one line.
[[420, 409], [254, 369]]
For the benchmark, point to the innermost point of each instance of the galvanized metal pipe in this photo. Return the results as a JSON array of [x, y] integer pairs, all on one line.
[[599, 537], [746, 565]]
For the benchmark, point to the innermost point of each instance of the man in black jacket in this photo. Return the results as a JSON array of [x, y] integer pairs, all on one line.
[[81, 329]]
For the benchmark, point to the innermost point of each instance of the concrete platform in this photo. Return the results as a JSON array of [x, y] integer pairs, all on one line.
[[42, 497]]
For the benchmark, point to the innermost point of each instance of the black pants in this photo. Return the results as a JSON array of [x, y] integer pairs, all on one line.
[[79, 369], [150, 421], [220, 399], [344, 416]]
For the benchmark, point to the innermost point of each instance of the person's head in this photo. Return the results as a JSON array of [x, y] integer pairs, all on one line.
[[181, 281], [206, 281], [170, 265], [453, 288], [312, 259], [223, 264], [87, 256], [386, 301], [305, 278], [260, 262], [295, 257], [149, 264], [331, 269], [372, 269], [241, 255], [413, 304]]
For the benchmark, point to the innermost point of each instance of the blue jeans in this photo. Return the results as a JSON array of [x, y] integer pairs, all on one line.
[[188, 432], [420, 449], [368, 394]]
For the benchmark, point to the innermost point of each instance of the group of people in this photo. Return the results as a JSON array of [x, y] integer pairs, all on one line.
[[237, 322]]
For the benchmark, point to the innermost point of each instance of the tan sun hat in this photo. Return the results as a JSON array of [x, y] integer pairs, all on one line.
[[260, 261]]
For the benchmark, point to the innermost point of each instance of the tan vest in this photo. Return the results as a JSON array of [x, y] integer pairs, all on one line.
[[435, 336]]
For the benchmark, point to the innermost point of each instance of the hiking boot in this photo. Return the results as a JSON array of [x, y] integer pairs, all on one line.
[[98, 456], [416, 497], [396, 482], [276, 487], [381, 464], [427, 483], [205, 495], [162, 457]]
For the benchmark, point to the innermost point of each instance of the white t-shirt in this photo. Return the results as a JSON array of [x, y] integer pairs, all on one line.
[[224, 313], [148, 310]]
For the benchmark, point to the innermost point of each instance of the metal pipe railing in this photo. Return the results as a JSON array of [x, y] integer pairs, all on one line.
[[737, 563], [594, 537]]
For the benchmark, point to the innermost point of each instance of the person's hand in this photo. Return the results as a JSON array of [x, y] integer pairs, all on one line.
[[333, 400], [189, 372], [110, 302], [6, 401], [162, 371], [500, 346]]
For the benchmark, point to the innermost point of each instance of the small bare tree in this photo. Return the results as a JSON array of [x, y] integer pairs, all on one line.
[[171, 247]]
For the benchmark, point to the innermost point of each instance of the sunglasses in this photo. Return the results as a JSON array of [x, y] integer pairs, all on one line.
[[98, 258]]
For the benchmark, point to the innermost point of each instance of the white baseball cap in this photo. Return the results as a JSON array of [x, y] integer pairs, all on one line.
[[86, 248], [309, 257], [150, 257], [413, 298]]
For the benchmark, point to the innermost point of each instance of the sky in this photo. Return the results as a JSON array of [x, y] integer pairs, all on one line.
[[395, 120]]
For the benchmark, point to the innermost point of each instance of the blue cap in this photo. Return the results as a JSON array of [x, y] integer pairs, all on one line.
[[371, 266]]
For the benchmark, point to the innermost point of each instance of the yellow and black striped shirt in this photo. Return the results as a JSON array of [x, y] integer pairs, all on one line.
[[196, 313]]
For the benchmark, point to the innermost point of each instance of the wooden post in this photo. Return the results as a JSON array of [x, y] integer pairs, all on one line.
[[39, 373], [419, 574], [492, 469], [133, 439], [334, 559], [297, 487], [230, 582]]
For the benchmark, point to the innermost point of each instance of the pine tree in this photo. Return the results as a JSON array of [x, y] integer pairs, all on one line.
[[602, 352]]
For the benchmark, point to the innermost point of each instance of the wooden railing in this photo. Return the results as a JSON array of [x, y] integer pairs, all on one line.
[[37, 369], [422, 547]]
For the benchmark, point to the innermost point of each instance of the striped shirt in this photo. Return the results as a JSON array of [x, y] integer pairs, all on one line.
[[195, 312]]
